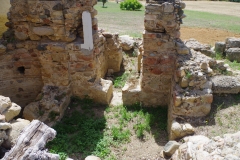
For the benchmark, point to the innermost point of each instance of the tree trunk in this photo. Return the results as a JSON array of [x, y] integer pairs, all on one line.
[[31, 143]]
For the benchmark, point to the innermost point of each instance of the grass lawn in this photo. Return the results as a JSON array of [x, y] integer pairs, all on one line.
[[113, 19], [211, 20], [88, 128]]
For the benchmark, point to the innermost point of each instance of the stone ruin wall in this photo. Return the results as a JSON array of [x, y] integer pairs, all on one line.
[[161, 44], [171, 74], [54, 47], [49, 55]]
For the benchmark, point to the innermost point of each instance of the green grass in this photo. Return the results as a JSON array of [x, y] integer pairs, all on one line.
[[82, 132], [113, 19], [120, 81], [211, 20]]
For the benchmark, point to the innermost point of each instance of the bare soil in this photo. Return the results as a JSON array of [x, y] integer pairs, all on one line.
[[219, 7], [206, 35]]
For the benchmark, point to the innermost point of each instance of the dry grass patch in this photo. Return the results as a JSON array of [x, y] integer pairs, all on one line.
[[224, 117]]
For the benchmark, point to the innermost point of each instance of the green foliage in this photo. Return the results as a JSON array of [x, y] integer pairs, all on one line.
[[234, 1], [78, 133], [130, 5], [120, 135], [60, 97], [52, 115], [81, 132], [120, 81]]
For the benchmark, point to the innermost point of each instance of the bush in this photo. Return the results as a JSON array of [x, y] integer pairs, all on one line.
[[234, 0], [130, 5]]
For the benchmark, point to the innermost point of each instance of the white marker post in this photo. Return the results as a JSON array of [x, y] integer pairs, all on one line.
[[87, 31]]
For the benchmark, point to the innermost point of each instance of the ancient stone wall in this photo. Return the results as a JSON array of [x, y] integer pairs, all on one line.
[[54, 47], [161, 44]]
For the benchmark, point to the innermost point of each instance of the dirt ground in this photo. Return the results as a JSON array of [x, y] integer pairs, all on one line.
[[219, 7], [206, 35]]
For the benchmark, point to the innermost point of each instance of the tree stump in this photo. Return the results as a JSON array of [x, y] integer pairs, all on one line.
[[31, 143]]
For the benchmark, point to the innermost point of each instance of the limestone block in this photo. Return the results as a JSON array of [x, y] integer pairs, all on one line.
[[220, 47], [126, 42], [170, 148], [197, 46], [16, 128], [12, 112], [2, 118], [192, 109], [233, 54], [31, 111], [232, 42], [180, 130], [102, 91], [5, 103], [131, 93], [43, 31], [5, 126], [92, 158], [225, 84]]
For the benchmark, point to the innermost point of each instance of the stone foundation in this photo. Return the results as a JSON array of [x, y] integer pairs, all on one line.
[[56, 52]]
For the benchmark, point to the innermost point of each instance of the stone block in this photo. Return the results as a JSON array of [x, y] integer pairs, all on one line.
[[170, 148], [226, 84], [12, 112], [233, 42], [5, 103], [102, 92], [220, 47], [233, 54]]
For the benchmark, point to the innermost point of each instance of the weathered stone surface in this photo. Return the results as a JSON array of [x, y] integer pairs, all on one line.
[[170, 148], [126, 42], [201, 147], [232, 42], [12, 112], [233, 54], [178, 130], [17, 127], [103, 91], [2, 118], [225, 84], [2, 49], [92, 158], [5, 103], [5, 126], [43, 31], [220, 47], [113, 51], [197, 46]]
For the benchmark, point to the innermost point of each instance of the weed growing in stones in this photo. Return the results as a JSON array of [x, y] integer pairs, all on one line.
[[120, 81]]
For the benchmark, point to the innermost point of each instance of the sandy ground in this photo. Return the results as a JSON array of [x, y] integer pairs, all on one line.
[[219, 7], [206, 35]]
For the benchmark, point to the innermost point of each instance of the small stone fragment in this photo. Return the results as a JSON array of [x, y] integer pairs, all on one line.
[[170, 148]]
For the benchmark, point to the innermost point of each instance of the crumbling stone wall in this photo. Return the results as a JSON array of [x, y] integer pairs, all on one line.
[[54, 47], [161, 44]]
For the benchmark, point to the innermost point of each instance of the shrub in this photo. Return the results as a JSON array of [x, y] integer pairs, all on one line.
[[130, 5], [234, 0]]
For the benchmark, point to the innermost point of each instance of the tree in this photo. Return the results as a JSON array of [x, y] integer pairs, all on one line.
[[104, 1]]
